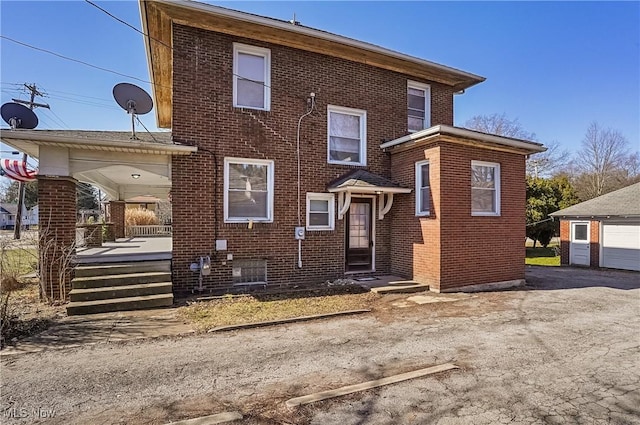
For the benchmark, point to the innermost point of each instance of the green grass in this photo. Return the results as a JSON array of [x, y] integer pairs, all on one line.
[[542, 257]]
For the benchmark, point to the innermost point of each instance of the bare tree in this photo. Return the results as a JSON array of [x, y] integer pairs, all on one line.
[[500, 125], [549, 163], [601, 164]]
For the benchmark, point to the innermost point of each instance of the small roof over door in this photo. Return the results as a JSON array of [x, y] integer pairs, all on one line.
[[363, 182]]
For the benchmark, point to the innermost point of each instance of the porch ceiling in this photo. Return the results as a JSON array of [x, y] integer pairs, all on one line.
[[121, 167]]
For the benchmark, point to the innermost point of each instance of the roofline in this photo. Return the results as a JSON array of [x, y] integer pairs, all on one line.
[[281, 25], [532, 147], [369, 189], [39, 138], [596, 216]]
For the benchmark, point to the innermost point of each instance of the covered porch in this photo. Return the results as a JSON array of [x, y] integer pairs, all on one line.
[[121, 166]]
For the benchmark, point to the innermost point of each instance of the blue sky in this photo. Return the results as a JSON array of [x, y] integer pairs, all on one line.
[[554, 66]]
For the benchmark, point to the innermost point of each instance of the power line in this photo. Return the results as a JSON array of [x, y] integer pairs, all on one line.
[[60, 119], [73, 60]]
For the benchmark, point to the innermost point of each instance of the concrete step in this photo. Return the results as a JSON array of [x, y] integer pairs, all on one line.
[[396, 288], [119, 304], [123, 268], [123, 291], [119, 280]]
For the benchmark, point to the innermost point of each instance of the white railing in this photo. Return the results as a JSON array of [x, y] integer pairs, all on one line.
[[151, 230], [80, 232]]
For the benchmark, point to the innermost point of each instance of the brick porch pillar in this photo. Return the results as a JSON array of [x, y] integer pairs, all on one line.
[[57, 234], [116, 216]]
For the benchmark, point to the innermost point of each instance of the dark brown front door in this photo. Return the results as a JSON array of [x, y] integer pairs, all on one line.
[[359, 242]]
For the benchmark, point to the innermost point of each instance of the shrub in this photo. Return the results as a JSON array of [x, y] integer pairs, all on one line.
[[139, 217]]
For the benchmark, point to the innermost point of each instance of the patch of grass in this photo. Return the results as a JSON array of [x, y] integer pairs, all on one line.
[[249, 309], [542, 257], [18, 261]]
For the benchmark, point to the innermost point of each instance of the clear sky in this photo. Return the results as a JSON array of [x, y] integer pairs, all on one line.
[[554, 66]]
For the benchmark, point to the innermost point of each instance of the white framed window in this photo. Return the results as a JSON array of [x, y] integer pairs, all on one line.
[[251, 77], [423, 190], [485, 188], [347, 136], [320, 211], [248, 190], [418, 106]]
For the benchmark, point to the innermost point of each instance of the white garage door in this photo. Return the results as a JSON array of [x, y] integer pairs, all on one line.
[[621, 246]]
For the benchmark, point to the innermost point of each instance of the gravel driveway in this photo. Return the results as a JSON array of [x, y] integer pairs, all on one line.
[[565, 349]]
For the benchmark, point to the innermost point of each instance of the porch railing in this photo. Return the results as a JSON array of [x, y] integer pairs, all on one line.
[[150, 230]]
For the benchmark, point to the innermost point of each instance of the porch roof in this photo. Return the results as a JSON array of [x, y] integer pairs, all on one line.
[[464, 136], [363, 181], [158, 143]]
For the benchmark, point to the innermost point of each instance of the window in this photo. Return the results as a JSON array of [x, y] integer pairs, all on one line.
[[347, 133], [580, 232], [320, 207], [248, 190], [251, 77], [485, 188], [423, 191], [418, 106]]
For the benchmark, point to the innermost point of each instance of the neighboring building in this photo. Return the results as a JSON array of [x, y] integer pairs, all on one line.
[[142, 202], [321, 157], [603, 231], [8, 216]]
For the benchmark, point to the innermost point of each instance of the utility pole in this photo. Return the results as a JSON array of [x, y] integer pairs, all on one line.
[[32, 105]]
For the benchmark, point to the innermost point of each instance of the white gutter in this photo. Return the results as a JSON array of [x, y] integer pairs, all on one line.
[[260, 20], [80, 143], [463, 132]]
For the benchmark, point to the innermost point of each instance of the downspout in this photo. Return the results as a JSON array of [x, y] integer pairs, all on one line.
[[312, 97]]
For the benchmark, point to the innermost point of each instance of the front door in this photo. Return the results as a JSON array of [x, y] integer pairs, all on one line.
[[359, 241], [579, 248]]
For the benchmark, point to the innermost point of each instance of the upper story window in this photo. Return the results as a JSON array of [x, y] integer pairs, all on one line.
[[248, 190], [320, 207], [251, 77], [422, 188], [418, 106], [347, 134], [485, 188]]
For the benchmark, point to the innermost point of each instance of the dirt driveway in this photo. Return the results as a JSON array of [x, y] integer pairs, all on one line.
[[565, 349]]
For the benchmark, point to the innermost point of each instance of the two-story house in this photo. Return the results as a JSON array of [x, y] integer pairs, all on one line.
[[321, 157]]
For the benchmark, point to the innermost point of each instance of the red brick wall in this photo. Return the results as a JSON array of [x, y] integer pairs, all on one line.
[[203, 116], [116, 216], [57, 234], [481, 249], [415, 241], [452, 248], [594, 244], [565, 238]]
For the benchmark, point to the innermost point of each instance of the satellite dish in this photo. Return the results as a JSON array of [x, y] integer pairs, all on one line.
[[134, 100], [18, 116]]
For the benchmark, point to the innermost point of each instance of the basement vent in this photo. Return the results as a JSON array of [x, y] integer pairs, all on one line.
[[248, 272]]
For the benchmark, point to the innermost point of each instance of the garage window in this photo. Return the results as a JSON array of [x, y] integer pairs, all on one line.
[[580, 232]]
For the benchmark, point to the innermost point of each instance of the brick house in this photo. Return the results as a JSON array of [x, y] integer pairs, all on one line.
[[320, 157]]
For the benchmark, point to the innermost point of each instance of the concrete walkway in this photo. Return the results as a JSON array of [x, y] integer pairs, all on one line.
[[103, 328]]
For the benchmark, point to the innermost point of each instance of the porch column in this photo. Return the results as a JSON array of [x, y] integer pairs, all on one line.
[[57, 234], [116, 216]]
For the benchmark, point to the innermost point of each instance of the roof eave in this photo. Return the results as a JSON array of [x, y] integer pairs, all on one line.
[[40, 139], [369, 189], [523, 146], [459, 80]]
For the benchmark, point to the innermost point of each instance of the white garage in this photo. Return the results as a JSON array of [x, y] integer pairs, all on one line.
[[620, 246], [603, 231]]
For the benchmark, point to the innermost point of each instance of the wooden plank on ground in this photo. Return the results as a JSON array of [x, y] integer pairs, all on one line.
[[349, 389]]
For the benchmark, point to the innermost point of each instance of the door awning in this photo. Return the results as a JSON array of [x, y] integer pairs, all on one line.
[[362, 182]]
